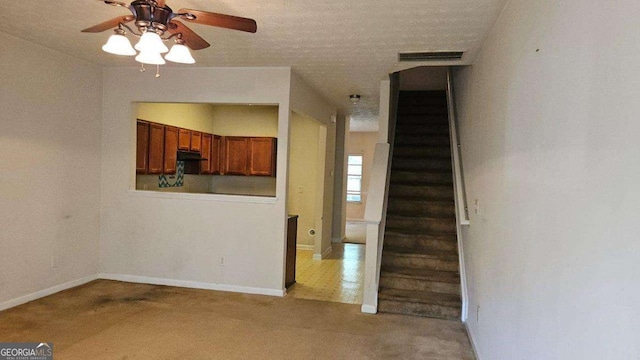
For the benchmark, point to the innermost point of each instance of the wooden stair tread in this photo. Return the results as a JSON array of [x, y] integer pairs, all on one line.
[[452, 277], [423, 297], [404, 231], [412, 254], [422, 236]]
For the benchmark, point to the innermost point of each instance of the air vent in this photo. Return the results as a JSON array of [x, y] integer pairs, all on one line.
[[431, 56]]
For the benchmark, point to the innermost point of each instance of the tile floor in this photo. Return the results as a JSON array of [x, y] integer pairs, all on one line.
[[339, 278]]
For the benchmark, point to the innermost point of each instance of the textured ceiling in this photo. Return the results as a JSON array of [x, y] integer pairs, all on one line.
[[338, 47]]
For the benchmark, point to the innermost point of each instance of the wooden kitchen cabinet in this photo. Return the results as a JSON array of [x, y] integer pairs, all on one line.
[[142, 147], [184, 139], [236, 155], [216, 150], [156, 148], [262, 157], [205, 165], [170, 149], [292, 234], [196, 140], [251, 156]]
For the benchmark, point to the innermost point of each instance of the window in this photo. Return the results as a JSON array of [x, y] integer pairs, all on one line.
[[354, 178]]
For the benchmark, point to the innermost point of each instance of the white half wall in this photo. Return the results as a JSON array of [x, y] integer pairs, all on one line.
[[50, 177], [549, 123], [235, 241]]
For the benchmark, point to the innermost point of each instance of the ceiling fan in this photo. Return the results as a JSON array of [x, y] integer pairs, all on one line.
[[153, 19]]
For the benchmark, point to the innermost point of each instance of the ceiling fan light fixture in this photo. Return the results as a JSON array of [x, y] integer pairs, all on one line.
[[118, 44], [150, 41], [180, 54], [150, 58]]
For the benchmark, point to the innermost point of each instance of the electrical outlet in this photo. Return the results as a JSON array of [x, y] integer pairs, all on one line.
[[221, 261], [300, 189], [476, 207], [54, 261]]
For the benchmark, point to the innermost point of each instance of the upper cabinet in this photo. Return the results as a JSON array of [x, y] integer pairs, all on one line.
[[236, 155], [205, 165], [216, 150], [158, 145], [142, 147], [196, 140], [262, 156], [156, 148], [170, 149], [184, 139], [252, 156]]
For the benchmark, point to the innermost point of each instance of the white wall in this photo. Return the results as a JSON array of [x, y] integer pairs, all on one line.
[[361, 143], [307, 102], [183, 236], [50, 173], [303, 174], [549, 126]]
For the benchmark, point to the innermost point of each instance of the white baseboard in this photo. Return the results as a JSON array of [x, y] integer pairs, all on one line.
[[472, 341], [324, 254], [305, 247], [193, 284], [46, 292], [369, 309]]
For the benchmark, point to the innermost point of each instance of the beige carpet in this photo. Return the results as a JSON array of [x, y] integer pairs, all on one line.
[[115, 320]]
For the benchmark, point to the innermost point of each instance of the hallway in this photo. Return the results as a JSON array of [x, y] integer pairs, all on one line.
[[338, 278]]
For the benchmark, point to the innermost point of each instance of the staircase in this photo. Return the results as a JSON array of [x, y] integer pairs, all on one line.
[[420, 269]]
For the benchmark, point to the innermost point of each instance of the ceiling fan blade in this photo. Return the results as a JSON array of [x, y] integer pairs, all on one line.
[[220, 20], [191, 39], [109, 24]]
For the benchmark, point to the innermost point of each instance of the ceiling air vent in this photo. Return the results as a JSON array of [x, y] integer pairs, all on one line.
[[431, 56]]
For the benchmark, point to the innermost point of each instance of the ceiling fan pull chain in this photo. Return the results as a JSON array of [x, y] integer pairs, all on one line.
[[157, 71]]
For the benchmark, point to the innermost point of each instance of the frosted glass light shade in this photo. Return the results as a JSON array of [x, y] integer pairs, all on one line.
[[118, 44], [180, 54], [150, 57], [150, 41]]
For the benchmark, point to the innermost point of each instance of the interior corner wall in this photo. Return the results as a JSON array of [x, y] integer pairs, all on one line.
[[50, 177], [361, 143], [340, 181], [303, 173], [548, 120], [182, 239], [306, 101]]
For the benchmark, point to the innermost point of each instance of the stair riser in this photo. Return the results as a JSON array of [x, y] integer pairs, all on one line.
[[417, 262], [420, 208], [420, 245], [422, 102], [426, 112], [418, 309], [417, 151], [422, 120], [402, 283], [422, 225], [421, 177], [422, 129], [433, 192], [402, 139], [421, 164]]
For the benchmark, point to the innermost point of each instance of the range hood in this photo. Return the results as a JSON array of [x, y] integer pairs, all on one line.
[[189, 156]]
